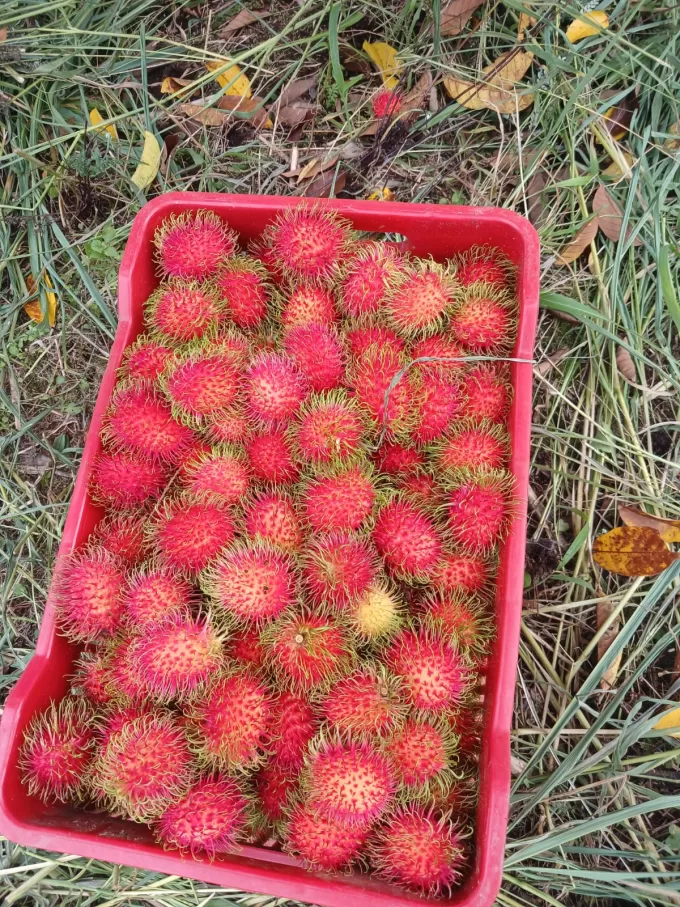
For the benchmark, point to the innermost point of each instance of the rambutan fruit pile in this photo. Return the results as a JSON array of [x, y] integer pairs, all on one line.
[[286, 609]]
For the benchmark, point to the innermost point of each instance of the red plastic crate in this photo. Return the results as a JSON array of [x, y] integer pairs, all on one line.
[[440, 231]]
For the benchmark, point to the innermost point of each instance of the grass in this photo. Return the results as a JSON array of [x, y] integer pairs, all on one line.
[[596, 789]]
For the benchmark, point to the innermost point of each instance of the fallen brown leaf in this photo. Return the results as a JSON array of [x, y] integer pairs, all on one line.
[[455, 15], [241, 20], [672, 144], [171, 85], [296, 113], [617, 119], [625, 365], [314, 167], [525, 22], [609, 214], [669, 530], [603, 611], [221, 112], [579, 243], [545, 366], [497, 86], [295, 90], [633, 551], [615, 170], [323, 185], [3, 34], [418, 98]]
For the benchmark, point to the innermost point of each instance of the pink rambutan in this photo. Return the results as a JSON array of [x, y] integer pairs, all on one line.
[[466, 725], [472, 447], [307, 304], [121, 480], [308, 650], [364, 703], [460, 572], [338, 569], [420, 751], [318, 354], [145, 767], [292, 725], [122, 535], [220, 475], [180, 311], [379, 376], [117, 718], [352, 783], [458, 795], [387, 103], [437, 404], [252, 583], [155, 593], [398, 459], [484, 321], [245, 648], [407, 539], [271, 459], [56, 751], [242, 284], [232, 426], [366, 278], [145, 359], [140, 422], [125, 685], [431, 671], [308, 242], [188, 534], [487, 393], [330, 429], [271, 517], [322, 843], [175, 656], [418, 850], [275, 786], [89, 587], [377, 613], [208, 819], [421, 488], [448, 358], [343, 499], [364, 337], [192, 244], [92, 675], [201, 383], [229, 722], [191, 455], [480, 509], [420, 298], [484, 265], [275, 389]]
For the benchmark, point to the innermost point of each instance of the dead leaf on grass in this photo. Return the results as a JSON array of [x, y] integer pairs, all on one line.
[[587, 25], [418, 98], [171, 85], [241, 20], [669, 530], [33, 307], [610, 215], [455, 15], [230, 77], [625, 365], [149, 163], [500, 90], [220, 113], [3, 34], [526, 21], [672, 144], [579, 243], [295, 90], [325, 184], [551, 361], [633, 551], [383, 194], [384, 56], [615, 171], [669, 720], [603, 612], [96, 120], [316, 166], [296, 113]]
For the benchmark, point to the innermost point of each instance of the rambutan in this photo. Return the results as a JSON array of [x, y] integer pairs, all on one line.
[[252, 583], [364, 703], [448, 358], [275, 786], [307, 304], [140, 422], [318, 354], [175, 656], [387, 103], [271, 459], [482, 264], [229, 722], [343, 499], [338, 569], [420, 751], [471, 447], [330, 429], [193, 244], [145, 359], [201, 383], [89, 587], [116, 718], [420, 298], [271, 517], [92, 675], [308, 650], [220, 475], [124, 685], [232, 426], [155, 593], [209, 818], [121, 480], [56, 751], [407, 539], [275, 389], [191, 455], [245, 648], [466, 725], [308, 242], [397, 459], [352, 783], [322, 843], [487, 393], [242, 284], [418, 850], [460, 572], [180, 311], [293, 724], [123, 536], [145, 767], [379, 376], [377, 613], [188, 534], [364, 337], [485, 320], [480, 509], [458, 795], [366, 278], [420, 487], [431, 670], [438, 403]]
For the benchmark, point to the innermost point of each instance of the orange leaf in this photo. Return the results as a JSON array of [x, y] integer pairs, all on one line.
[[633, 551], [497, 88], [221, 112], [34, 309], [579, 243], [669, 530]]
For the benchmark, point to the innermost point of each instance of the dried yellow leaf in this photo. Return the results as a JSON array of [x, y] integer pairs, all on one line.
[[669, 530], [384, 194], [150, 161], [33, 308], [236, 82], [669, 720], [499, 90], [615, 171], [587, 25], [633, 551], [525, 21], [674, 143], [96, 120], [181, 87], [384, 56]]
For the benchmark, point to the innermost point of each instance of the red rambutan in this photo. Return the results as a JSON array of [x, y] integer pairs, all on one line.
[[460, 572], [418, 850], [330, 429], [271, 459], [343, 499], [470, 447], [318, 353], [431, 670], [308, 242], [242, 284], [308, 650], [181, 311], [487, 394], [420, 298], [338, 569], [366, 278], [480, 509], [188, 534], [437, 404], [377, 613], [420, 752], [362, 338], [145, 359], [275, 389], [192, 244], [123, 536], [271, 517], [252, 583], [232, 426], [92, 675], [448, 358], [378, 375], [466, 725], [121, 480], [139, 421], [245, 648], [89, 587], [364, 703], [484, 265], [387, 103], [322, 843], [56, 751], [407, 539], [484, 321], [155, 593], [221, 475], [275, 785], [307, 304], [209, 818], [420, 487], [201, 383], [192, 454], [117, 718], [397, 459], [293, 724]]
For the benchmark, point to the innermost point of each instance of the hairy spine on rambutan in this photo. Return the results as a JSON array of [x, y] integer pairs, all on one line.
[[124, 685], [485, 320], [123, 536], [366, 703], [202, 382], [275, 388], [438, 402], [482, 264], [189, 533], [180, 311], [305, 304], [407, 539], [466, 724], [294, 722], [480, 508], [307, 242], [338, 569], [221, 475], [420, 487], [377, 614], [433, 675], [193, 244], [271, 459], [421, 752], [275, 786], [245, 648], [232, 426], [366, 278], [384, 389], [145, 359], [308, 650], [154, 593], [398, 459], [92, 674], [88, 587], [363, 337], [209, 819], [488, 393], [341, 498], [422, 295], [57, 749], [272, 517], [140, 422], [329, 429], [461, 572], [439, 355], [242, 284], [322, 843], [318, 354], [122, 481], [471, 446]]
